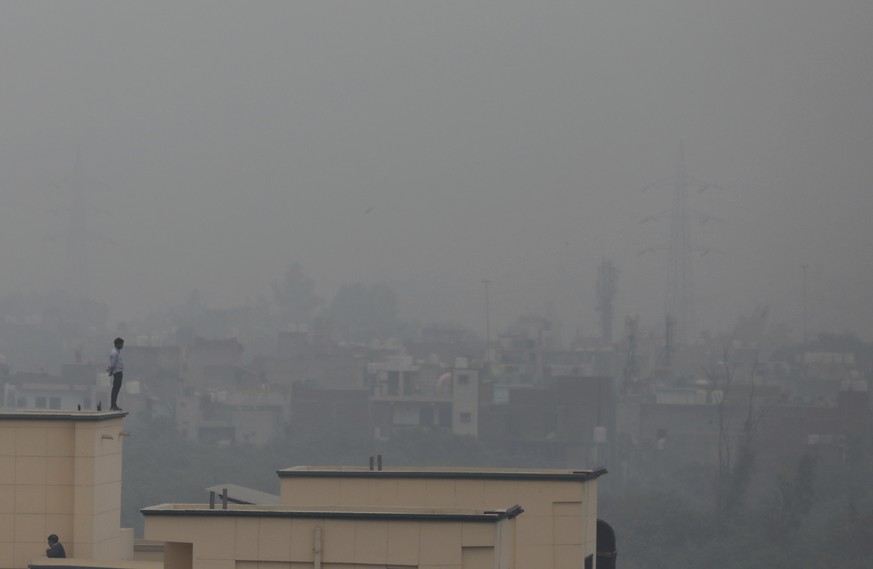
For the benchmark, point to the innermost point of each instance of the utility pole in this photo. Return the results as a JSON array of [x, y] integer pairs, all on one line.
[[803, 269], [669, 340], [607, 277], [486, 283]]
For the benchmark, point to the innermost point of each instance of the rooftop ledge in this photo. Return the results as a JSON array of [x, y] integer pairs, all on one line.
[[73, 563], [369, 513], [58, 415], [442, 472]]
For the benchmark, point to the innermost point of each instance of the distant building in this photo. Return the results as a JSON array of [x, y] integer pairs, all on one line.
[[443, 343], [211, 354], [245, 416], [336, 370], [151, 363], [315, 410], [567, 420], [589, 362], [407, 396], [78, 386]]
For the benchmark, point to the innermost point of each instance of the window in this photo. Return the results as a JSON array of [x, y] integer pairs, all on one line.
[[466, 417], [463, 378], [54, 403], [40, 403]]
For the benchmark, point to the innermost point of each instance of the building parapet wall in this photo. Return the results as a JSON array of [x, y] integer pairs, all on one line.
[[60, 472]]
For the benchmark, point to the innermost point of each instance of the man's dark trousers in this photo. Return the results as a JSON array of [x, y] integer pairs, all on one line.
[[116, 387]]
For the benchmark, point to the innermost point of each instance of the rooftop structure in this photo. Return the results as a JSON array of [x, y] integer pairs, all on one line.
[[558, 528], [281, 536], [60, 472]]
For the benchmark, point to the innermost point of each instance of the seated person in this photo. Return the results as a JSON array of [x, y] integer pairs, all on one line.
[[55, 548]]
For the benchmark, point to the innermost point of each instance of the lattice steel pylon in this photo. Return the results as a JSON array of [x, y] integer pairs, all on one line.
[[680, 284], [679, 302]]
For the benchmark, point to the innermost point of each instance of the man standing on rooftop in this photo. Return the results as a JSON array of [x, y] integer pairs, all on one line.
[[116, 371]]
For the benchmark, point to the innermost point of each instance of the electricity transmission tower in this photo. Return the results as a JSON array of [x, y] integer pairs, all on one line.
[[680, 286], [679, 303]]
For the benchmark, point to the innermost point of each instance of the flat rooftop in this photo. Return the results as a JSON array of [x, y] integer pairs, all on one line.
[[242, 495], [441, 472], [58, 415]]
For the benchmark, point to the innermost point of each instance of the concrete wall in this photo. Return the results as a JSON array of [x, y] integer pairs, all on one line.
[[557, 529], [224, 541], [60, 475]]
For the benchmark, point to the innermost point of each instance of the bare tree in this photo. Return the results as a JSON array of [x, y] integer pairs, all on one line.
[[735, 450]]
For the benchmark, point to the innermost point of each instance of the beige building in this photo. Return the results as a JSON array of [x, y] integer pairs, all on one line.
[[558, 528], [401, 518], [60, 472], [279, 537]]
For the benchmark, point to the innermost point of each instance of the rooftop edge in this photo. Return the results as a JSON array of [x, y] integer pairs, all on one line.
[[399, 514], [59, 415], [436, 472]]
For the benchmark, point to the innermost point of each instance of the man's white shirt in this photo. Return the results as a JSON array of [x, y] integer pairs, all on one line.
[[115, 363]]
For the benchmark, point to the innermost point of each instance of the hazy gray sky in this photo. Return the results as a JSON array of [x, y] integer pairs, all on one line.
[[432, 145]]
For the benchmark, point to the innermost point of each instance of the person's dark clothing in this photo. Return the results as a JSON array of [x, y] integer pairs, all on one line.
[[56, 551], [116, 387]]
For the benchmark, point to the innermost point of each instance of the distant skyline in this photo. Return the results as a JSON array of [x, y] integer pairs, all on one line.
[[432, 146]]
